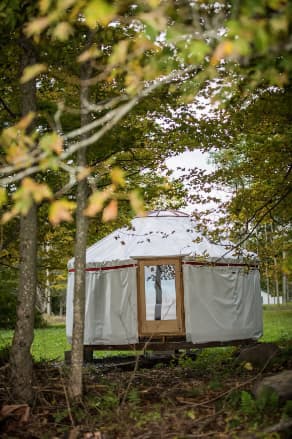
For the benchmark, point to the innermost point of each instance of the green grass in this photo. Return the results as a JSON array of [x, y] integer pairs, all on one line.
[[277, 323], [50, 343]]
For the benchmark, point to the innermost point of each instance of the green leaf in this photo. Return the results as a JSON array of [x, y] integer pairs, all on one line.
[[99, 12], [118, 176], [261, 39], [3, 196], [51, 143], [196, 51]]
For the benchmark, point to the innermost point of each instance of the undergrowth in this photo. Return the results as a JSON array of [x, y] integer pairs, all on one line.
[[205, 394], [210, 395]]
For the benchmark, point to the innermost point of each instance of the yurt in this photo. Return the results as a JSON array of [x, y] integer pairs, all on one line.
[[160, 280]]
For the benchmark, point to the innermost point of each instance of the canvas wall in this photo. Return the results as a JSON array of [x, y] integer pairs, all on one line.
[[222, 303]]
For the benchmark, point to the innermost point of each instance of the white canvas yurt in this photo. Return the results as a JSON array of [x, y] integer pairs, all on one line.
[[160, 277]]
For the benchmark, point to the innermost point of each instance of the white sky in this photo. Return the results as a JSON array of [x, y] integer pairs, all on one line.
[[189, 160]]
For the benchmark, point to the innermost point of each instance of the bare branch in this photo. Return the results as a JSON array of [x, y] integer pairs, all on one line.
[[19, 176], [109, 120], [270, 200], [114, 116], [258, 222], [5, 106]]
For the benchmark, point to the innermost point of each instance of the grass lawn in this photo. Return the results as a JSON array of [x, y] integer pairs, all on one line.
[[277, 323], [50, 343]]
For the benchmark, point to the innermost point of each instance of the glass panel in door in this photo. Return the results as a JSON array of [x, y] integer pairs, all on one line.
[[160, 297], [160, 292]]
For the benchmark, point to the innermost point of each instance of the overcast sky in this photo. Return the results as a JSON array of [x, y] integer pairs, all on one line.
[[189, 159]]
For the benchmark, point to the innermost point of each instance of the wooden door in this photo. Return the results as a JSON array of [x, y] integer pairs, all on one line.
[[160, 297]]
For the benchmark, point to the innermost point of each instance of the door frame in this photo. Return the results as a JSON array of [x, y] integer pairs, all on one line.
[[160, 327]]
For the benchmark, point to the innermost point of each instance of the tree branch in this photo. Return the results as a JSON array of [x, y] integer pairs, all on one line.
[[109, 120], [5, 106], [258, 222], [259, 209]]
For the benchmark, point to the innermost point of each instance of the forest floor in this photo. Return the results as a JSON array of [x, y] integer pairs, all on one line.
[[186, 397], [209, 396]]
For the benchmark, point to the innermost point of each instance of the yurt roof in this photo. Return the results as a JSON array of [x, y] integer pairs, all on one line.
[[163, 233]]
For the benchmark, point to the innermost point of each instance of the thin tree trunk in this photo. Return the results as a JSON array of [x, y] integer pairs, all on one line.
[[158, 293], [268, 283], [75, 385], [267, 270], [276, 281], [20, 355], [284, 280], [48, 295], [61, 306]]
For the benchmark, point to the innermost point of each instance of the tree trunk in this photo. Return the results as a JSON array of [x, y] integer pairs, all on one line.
[[276, 281], [284, 280], [75, 385], [20, 355], [158, 293], [48, 296], [267, 268]]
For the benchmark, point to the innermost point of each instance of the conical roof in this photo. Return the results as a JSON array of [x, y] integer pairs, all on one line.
[[159, 234]]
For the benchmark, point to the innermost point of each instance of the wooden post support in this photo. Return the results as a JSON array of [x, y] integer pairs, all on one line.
[[87, 354], [67, 358]]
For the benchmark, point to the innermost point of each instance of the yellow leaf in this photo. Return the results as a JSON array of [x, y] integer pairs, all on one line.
[[133, 81], [91, 53], [30, 188], [25, 122], [137, 203], [96, 202], [153, 3], [83, 173], [49, 162], [99, 12], [8, 135], [52, 142], [248, 366], [62, 31], [3, 196], [4, 253], [18, 155], [141, 44], [110, 212], [118, 177], [7, 216], [44, 5], [31, 72], [223, 50], [155, 19], [61, 210], [120, 52], [35, 27]]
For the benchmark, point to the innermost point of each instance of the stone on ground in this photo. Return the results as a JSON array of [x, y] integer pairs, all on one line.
[[280, 383], [258, 355]]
